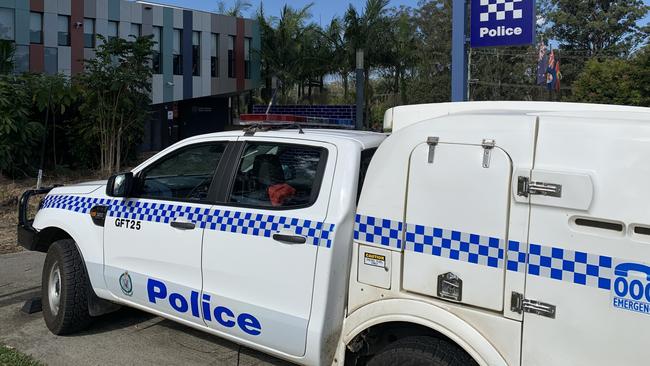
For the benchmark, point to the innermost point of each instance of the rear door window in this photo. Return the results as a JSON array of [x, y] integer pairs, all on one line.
[[275, 175], [366, 157]]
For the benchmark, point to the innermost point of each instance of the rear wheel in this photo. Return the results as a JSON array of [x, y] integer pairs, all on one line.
[[421, 351], [64, 289]]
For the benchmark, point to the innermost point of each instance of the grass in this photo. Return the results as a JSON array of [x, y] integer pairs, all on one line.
[[11, 357]]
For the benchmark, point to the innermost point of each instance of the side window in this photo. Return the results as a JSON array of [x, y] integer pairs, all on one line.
[[366, 157], [183, 175], [279, 175]]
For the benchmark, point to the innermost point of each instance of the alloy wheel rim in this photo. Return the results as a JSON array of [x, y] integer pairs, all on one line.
[[54, 288]]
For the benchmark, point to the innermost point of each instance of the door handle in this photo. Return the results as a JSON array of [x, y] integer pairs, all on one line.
[[289, 239], [183, 225]]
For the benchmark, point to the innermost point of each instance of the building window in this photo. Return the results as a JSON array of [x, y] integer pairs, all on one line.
[[247, 58], [214, 55], [89, 33], [64, 30], [177, 46], [196, 54], [112, 31], [231, 56], [156, 57], [51, 60], [36, 28], [136, 30], [7, 24], [21, 59]]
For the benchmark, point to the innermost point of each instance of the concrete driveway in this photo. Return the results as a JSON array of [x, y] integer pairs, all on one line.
[[125, 337]]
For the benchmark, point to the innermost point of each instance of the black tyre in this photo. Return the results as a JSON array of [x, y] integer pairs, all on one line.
[[420, 351], [64, 289]]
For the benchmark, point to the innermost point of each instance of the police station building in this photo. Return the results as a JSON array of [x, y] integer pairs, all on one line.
[[204, 64]]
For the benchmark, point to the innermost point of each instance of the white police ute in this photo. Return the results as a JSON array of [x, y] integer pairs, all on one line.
[[493, 233]]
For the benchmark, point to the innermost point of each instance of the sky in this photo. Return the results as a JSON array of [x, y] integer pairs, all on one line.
[[322, 11]]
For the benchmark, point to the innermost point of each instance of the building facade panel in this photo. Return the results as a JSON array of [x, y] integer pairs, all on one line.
[[63, 7], [50, 6], [36, 57], [50, 21], [239, 55], [146, 16], [167, 58], [136, 13], [21, 24], [177, 87], [159, 14], [188, 61], [114, 10], [206, 71], [101, 9], [90, 8], [157, 89], [77, 35], [11, 4], [36, 5], [178, 18], [65, 65]]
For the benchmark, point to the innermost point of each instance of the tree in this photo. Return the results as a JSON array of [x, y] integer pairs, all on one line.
[[51, 96], [237, 10], [116, 89], [604, 29], [19, 134], [615, 81], [597, 26]]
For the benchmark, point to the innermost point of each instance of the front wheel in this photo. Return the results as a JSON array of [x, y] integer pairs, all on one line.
[[421, 351], [64, 289]]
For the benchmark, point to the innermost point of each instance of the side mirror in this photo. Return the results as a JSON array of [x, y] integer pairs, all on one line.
[[120, 185]]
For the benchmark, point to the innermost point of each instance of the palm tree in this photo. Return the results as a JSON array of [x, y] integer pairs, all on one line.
[[237, 9]]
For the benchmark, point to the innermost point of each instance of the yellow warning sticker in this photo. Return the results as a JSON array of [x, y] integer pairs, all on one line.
[[375, 260]]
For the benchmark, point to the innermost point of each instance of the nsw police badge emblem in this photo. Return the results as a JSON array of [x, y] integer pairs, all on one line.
[[125, 284]]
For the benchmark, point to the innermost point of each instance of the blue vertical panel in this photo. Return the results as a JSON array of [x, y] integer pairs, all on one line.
[[114, 10], [21, 22], [458, 52], [187, 54], [256, 59], [166, 50]]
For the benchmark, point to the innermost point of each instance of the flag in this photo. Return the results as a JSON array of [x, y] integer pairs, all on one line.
[[542, 64], [551, 75], [558, 76]]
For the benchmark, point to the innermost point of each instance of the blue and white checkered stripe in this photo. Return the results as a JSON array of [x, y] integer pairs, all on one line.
[[456, 245], [572, 266], [74, 203], [555, 263], [245, 223], [378, 231]]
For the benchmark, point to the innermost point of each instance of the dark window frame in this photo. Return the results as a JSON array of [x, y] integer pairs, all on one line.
[[156, 55], [214, 59], [177, 59], [61, 34], [218, 173], [237, 159], [93, 40], [248, 64], [117, 29], [196, 55], [40, 37], [232, 57]]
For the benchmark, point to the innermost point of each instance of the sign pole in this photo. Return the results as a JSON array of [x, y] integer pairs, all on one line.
[[458, 52]]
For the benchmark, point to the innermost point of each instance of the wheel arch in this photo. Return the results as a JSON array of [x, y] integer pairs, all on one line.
[[414, 317]]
